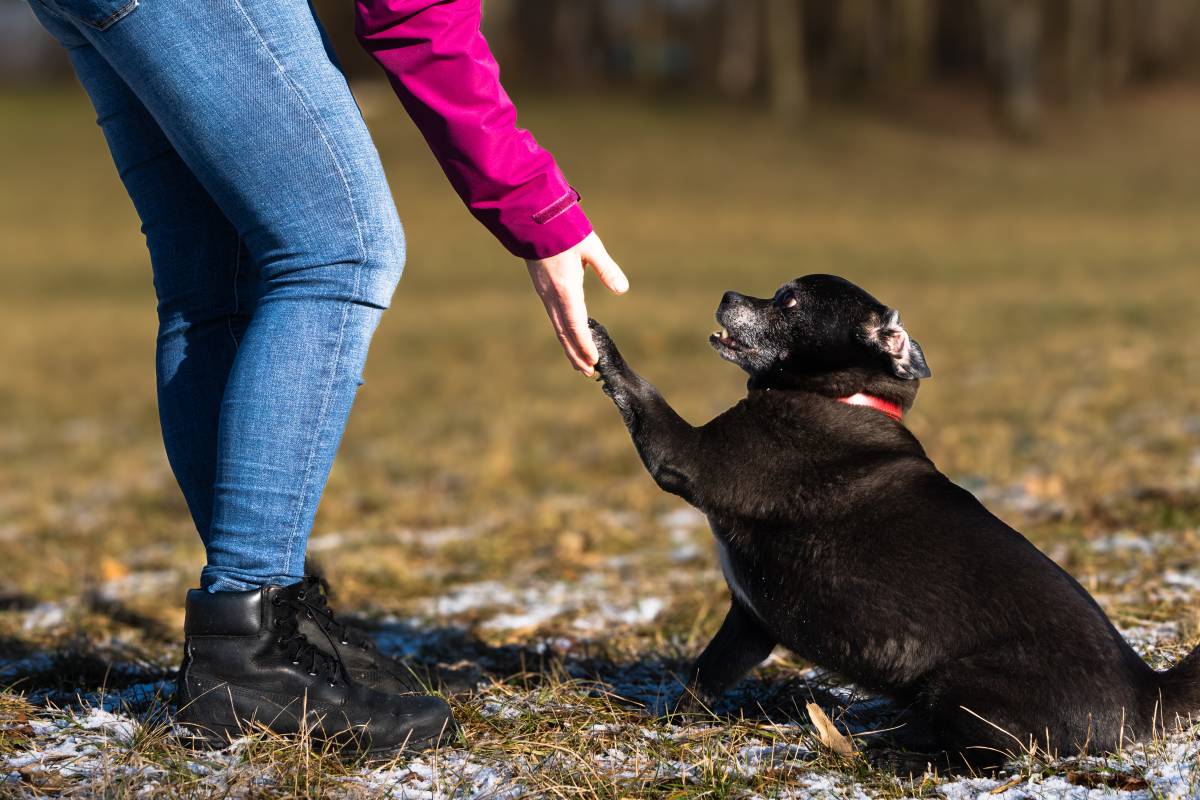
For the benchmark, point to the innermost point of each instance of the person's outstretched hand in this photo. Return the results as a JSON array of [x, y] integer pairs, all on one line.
[[558, 280]]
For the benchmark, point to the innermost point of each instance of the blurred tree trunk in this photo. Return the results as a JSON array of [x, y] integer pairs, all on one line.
[[650, 44], [883, 45], [1167, 35], [338, 20], [785, 57], [738, 61], [1083, 50], [573, 41], [858, 50], [912, 26], [1013, 31], [500, 30], [534, 24], [1118, 26]]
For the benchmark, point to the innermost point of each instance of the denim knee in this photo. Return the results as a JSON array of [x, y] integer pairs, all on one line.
[[384, 263], [357, 260]]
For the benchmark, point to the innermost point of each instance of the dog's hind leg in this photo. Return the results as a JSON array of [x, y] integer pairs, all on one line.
[[666, 443], [740, 645]]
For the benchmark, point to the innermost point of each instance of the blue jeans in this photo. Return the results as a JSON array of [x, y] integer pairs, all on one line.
[[274, 242]]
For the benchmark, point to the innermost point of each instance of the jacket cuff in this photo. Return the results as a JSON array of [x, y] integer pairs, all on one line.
[[546, 232]]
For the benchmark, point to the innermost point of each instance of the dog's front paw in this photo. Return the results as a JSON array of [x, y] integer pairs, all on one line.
[[612, 371], [690, 706], [609, 362]]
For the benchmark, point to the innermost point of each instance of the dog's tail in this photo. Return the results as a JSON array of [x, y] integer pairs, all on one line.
[[1180, 689]]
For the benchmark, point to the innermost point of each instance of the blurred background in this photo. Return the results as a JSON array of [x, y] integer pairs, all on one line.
[[1019, 177], [794, 56]]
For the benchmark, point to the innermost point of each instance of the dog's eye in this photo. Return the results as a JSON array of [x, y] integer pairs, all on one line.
[[786, 299]]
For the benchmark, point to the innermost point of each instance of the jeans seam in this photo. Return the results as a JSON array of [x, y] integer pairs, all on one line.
[[237, 273], [324, 410], [362, 257], [113, 18], [307, 106]]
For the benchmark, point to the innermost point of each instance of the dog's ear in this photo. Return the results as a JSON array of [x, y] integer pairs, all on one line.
[[905, 356]]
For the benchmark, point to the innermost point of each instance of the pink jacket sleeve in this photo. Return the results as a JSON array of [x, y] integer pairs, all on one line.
[[441, 68]]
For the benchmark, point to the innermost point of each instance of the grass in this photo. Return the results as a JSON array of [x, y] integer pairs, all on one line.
[[1053, 289]]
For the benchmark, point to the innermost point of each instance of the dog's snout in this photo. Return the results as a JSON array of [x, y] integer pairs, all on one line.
[[733, 298]]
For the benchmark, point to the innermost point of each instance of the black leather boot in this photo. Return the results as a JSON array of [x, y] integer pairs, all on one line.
[[358, 653], [365, 664], [246, 663]]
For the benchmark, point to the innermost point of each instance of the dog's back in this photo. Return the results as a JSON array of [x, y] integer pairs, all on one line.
[[857, 554]]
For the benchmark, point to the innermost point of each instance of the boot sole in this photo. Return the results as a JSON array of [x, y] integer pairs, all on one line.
[[224, 727], [219, 737]]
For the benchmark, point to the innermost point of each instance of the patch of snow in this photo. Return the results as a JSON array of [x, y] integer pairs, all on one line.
[[646, 610], [77, 745], [683, 518], [1019, 497], [327, 541], [423, 537], [1053, 787], [525, 619], [136, 583], [1147, 638], [468, 597], [815, 786], [439, 537], [755, 758], [446, 774], [501, 710], [1181, 580], [522, 608], [967, 788], [682, 526], [1175, 772], [1131, 542], [45, 615], [119, 727]]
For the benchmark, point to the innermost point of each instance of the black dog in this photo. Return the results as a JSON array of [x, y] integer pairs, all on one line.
[[841, 541]]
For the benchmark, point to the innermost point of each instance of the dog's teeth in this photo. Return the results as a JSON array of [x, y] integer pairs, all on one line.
[[724, 333]]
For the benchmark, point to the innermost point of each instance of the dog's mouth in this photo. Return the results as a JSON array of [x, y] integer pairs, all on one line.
[[725, 341]]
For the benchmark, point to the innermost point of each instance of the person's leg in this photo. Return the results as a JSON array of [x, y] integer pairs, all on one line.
[[288, 354], [204, 278], [248, 97]]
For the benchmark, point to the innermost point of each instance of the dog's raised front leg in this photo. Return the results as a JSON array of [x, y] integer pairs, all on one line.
[[666, 443], [739, 646]]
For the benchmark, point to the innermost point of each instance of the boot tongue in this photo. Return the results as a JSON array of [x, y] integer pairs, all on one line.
[[289, 603], [316, 597]]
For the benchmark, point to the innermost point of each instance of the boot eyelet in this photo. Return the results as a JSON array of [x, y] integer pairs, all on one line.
[[345, 643], [300, 595], [295, 663], [308, 615], [313, 674]]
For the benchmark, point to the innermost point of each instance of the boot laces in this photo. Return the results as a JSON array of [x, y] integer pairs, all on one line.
[[315, 597], [296, 646]]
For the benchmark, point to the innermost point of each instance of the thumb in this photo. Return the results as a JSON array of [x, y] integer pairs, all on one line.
[[606, 269]]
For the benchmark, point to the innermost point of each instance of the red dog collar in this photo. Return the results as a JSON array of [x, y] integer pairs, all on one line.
[[878, 403]]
